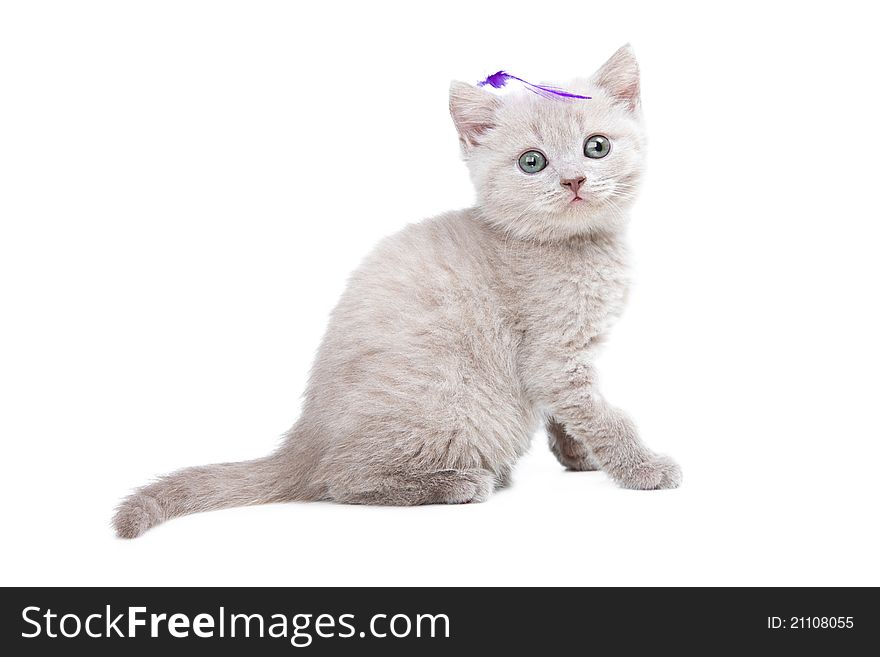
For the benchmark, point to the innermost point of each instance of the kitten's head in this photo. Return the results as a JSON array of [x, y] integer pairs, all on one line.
[[552, 169]]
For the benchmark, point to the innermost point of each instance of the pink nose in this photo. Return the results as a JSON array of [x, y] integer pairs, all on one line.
[[573, 183]]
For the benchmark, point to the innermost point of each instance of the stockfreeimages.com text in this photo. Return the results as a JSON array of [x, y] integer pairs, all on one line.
[[300, 629]]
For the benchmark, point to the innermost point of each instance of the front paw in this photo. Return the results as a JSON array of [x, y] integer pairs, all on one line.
[[656, 473], [585, 463], [571, 453]]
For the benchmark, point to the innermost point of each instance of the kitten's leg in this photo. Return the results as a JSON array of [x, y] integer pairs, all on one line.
[[415, 488], [610, 435], [573, 454]]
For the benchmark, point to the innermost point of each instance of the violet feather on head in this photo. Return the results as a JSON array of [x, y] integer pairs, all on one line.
[[501, 78]]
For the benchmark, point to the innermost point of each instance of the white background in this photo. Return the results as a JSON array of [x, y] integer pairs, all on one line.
[[184, 187]]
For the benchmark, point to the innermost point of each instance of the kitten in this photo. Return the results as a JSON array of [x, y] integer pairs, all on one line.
[[458, 337]]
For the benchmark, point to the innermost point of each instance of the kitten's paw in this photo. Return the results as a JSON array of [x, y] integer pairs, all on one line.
[[654, 474], [469, 486], [585, 464], [135, 515], [573, 454]]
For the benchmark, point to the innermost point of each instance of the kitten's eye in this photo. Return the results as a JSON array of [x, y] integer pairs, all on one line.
[[532, 161], [597, 147]]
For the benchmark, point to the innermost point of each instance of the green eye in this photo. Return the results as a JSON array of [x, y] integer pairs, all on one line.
[[532, 161], [597, 147]]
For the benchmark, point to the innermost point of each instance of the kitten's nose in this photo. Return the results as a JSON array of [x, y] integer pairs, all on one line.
[[573, 183]]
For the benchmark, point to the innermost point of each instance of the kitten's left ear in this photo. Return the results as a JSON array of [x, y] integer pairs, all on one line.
[[473, 112], [619, 76]]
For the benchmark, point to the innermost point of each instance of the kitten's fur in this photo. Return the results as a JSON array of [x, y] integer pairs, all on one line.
[[461, 335]]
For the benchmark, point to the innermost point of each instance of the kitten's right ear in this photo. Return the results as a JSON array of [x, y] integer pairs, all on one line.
[[619, 76], [473, 112]]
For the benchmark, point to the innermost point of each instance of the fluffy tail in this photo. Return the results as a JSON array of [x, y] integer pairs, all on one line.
[[202, 488]]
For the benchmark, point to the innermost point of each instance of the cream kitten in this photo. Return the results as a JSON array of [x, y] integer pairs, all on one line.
[[462, 335]]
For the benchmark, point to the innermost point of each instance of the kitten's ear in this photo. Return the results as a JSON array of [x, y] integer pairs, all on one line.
[[473, 112], [619, 76]]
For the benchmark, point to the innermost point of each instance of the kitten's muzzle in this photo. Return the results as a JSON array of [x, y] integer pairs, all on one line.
[[574, 184]]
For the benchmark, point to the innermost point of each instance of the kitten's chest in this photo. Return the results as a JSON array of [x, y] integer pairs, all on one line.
[[575, 293]]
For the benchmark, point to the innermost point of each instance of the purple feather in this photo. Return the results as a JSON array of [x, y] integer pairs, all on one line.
[[501, 78]]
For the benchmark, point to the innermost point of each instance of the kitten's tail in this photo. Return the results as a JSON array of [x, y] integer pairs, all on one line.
[[204, 488]]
